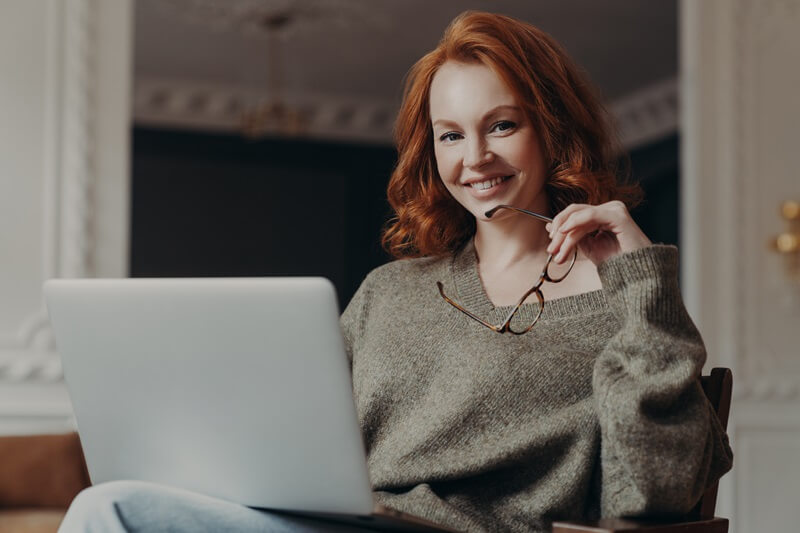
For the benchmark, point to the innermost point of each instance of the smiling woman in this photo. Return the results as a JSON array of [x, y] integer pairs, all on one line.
[[487, 432], [539, 93]]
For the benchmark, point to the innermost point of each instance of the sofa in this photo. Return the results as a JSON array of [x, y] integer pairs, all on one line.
[[39, 477]]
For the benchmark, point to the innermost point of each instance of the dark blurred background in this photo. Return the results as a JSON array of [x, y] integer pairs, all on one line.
[[262, 130]]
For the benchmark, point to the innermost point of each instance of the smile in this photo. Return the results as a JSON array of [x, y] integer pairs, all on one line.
[[487, 184]]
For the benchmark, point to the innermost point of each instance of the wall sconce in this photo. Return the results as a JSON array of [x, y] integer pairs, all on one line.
[[788, 243]]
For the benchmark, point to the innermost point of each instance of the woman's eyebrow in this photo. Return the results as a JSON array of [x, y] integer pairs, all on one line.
[[489, 114], [501, 108]]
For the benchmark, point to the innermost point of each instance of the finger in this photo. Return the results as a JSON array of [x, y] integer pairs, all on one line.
[[563, 215], [578, 215], [571, 241], [558, 234], [555, 242], [593, 216], [555, 233]]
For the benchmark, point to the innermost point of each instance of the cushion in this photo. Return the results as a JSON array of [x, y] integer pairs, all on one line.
[[41, 470]]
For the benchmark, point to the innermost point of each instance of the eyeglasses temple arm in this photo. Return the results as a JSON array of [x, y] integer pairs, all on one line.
[[493, 210]]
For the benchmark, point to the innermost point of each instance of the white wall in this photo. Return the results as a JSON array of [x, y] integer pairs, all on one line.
[[739, 116], [64, 165]]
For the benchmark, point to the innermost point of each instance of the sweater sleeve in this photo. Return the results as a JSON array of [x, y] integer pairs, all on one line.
[[661, 442], [353, 319]]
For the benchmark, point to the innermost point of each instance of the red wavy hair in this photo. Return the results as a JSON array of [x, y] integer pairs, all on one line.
[[577, 138]]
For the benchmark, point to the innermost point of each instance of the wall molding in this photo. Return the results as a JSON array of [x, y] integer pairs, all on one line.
[[186, 105], [27, 366], [82, 106], [644, 116], [77, 144], [68, 180], [728, 177], [768, 389], [755, 444], [648, 114], [765, 363]]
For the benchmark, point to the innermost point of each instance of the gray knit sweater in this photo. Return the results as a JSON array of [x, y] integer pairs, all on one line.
[[596, 411]]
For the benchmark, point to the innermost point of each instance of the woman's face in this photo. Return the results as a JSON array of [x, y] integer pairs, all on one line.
[[487, 151]]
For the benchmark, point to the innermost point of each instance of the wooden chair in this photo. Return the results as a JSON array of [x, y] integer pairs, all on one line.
[[701, 519]]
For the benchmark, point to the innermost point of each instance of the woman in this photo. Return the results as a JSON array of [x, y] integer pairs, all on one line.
[[597, 409], [593, 407]]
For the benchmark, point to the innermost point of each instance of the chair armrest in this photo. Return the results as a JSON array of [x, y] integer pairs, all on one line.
[[41, 470], [630, 525]]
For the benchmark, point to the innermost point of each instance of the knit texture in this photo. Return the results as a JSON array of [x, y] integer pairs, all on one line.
[[597, 411]]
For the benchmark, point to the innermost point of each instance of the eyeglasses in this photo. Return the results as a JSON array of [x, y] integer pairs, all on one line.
[[505, 325]]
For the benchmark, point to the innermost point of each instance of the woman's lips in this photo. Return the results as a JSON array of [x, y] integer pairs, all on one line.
[[491, 191]]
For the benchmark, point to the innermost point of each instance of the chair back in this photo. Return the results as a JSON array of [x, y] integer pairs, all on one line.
[[718, 387]]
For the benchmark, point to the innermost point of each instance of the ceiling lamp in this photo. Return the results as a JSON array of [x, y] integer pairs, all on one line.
[[273, 22]]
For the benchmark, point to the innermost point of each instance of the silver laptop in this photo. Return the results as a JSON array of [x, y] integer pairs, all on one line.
[[235, 388]]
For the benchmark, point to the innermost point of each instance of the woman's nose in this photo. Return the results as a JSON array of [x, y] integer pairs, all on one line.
[[478, 154]]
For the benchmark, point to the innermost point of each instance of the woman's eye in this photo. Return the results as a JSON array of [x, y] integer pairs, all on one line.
[[449, 137], [504, 125]]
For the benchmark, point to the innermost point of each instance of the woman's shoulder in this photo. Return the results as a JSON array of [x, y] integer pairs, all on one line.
[[399, 281], [412, 270]]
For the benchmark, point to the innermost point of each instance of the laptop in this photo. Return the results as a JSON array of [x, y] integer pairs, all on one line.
[[238, 388]]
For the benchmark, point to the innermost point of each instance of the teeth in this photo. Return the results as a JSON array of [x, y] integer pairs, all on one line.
[[488, 184]]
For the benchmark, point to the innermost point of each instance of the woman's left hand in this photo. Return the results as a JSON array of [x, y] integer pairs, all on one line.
[[600, 232]]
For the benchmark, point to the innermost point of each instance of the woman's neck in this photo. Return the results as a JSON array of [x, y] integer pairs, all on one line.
[[512, 250], [509, 240]]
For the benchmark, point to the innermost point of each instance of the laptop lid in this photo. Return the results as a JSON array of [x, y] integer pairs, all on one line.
[[236, 388]]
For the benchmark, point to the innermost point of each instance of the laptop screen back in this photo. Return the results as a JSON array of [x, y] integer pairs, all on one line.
[[235, 388]]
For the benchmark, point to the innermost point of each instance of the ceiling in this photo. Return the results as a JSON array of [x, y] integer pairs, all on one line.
[[361, 49]]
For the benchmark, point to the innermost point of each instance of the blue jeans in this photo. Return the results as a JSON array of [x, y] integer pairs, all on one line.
[[127, 506]]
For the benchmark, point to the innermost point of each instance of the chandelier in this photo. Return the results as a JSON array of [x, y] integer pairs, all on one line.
[[274, 115], [272, 23]]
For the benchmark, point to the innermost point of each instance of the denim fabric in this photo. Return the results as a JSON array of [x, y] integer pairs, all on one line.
[[134, 506]]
